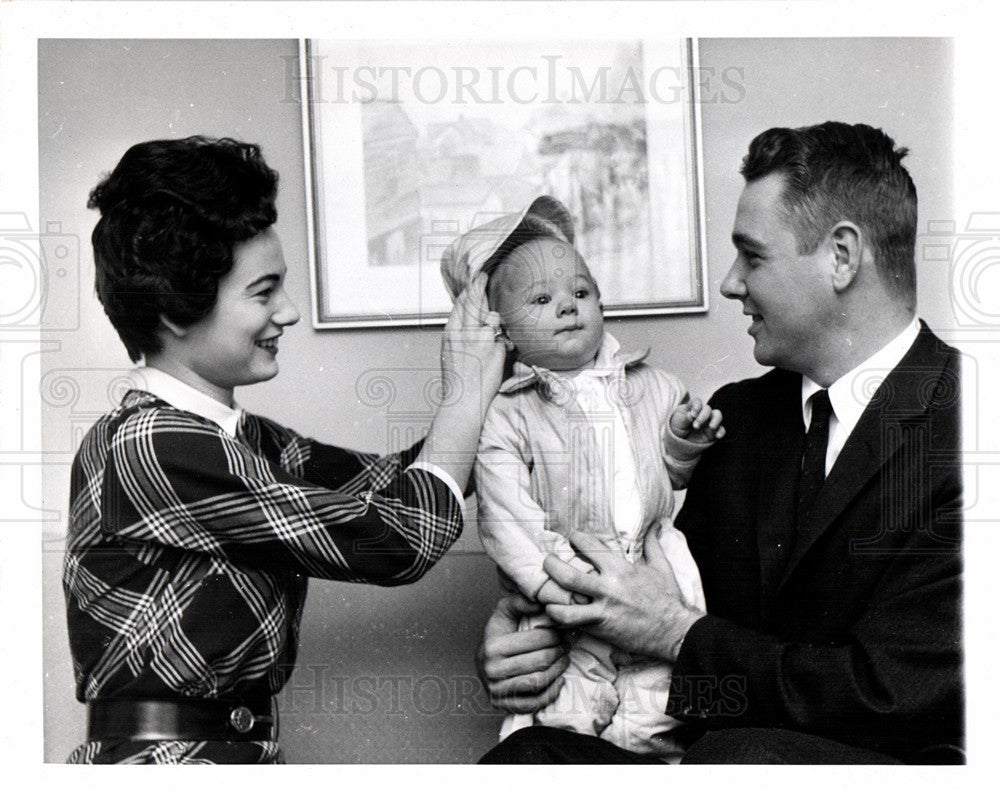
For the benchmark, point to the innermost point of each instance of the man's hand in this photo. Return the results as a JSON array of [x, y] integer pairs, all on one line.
[[550, 592], [634, 607], [521, 670]]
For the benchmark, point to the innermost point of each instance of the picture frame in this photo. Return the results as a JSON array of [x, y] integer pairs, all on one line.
[[409, 144]]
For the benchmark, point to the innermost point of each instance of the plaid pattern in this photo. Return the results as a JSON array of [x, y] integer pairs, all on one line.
[[175, 753], [176, 527]]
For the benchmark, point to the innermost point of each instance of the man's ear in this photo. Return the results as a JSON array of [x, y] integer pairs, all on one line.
[[175, 329], [848, 245]]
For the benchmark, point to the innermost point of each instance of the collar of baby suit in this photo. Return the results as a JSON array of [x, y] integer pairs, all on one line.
[[610, 359]]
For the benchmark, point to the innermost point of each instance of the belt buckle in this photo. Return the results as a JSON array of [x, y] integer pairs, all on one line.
[[241, 719]]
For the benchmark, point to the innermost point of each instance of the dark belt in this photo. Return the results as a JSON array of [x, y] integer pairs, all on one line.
[[182, 720]]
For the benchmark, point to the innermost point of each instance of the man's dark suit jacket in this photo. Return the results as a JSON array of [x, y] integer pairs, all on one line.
[[848, 627]]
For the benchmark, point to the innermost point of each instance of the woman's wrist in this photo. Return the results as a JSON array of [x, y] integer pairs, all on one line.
[[452, 441]]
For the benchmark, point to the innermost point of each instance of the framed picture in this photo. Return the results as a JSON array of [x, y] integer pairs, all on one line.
[[409, 144]]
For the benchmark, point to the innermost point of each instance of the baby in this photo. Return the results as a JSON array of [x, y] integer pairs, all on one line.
[[577, 439]]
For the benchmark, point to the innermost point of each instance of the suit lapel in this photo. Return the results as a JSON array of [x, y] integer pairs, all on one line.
[[781, 453], [874, 440]]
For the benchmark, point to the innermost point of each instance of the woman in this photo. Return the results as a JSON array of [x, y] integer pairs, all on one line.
[[194, 525]]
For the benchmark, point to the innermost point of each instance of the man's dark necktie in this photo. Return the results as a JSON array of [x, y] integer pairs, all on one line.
[[814, 454]]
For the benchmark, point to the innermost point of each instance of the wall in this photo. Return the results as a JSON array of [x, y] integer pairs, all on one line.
[[387, 675]]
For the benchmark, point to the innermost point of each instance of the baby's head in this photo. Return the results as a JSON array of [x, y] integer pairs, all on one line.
[[548, 301]]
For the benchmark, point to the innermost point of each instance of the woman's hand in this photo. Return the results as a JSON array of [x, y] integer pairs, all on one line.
[[472, 359], [521, 670], [472, 349]]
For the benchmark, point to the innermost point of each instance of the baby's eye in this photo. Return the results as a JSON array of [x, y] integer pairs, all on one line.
[[582, 293], [543, 299]]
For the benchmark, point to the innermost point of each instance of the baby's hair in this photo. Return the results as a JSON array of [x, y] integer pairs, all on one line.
[[531, 227]]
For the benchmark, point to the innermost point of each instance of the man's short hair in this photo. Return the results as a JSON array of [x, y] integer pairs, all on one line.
[[835, 172], [171, 213]]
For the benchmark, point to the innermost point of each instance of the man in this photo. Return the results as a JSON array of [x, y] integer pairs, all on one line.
[[826, 525]]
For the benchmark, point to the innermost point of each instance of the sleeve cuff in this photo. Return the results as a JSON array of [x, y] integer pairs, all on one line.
[[681, 451], [438, 472]]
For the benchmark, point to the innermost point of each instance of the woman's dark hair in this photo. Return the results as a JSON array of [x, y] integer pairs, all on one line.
[[171, 213]]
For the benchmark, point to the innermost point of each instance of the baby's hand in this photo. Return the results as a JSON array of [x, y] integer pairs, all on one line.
[[696, 422]]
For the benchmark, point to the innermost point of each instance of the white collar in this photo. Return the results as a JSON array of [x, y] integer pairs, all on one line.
[[186, 398], [605, 362], [609, 359], [850, 394]]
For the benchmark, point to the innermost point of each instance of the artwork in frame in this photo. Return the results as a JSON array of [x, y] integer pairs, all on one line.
[[410, 144]]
